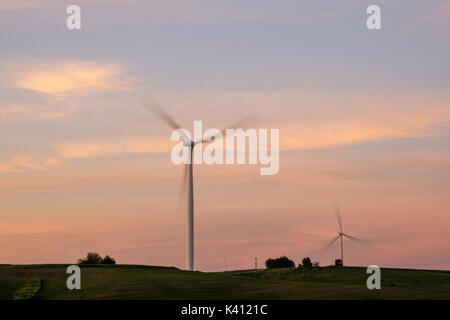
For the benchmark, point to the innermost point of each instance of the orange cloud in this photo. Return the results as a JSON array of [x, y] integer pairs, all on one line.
[[30, 112], [356, 129], [318, 119], [307, 86], [6, 167], [21, 161], [24, 5], [93, 149], [64, 77]]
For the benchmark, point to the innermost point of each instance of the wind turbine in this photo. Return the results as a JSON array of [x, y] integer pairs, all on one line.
[[188, 175], [341, 236]]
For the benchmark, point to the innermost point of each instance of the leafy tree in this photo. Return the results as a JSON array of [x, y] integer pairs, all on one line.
[[307, 262], [338, 263], [281, 262], [95, 258], [91, 258], [108, 260]]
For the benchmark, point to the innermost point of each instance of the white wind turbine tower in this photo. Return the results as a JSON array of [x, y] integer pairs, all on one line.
[[341, 236], [188, 177]]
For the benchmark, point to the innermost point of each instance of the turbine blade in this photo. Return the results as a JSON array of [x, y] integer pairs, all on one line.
[[153, 106], [184, 182], [356, 239], [237, 125], [338, 216], [330, 243]]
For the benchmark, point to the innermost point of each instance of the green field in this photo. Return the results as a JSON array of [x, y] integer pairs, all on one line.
[[147, 282]]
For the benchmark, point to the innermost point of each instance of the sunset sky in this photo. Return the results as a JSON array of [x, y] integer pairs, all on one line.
[[364, 120]]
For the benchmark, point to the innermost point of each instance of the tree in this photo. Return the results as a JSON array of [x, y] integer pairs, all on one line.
[[91, 258], [307, 262], [108, 260], [316, 264], [281, 262], [338, 263], [95, 258]]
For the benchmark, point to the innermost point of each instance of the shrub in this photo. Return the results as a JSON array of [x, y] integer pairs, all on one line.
[[338, 263], [95, 258], [316, 264], [282, 262], [307, 262], [91, 258], [108, 260]]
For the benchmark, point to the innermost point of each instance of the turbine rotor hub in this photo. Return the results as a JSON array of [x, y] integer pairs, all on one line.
[[188, 143]]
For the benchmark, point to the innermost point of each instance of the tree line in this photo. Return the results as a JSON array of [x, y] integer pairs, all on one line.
[[285, 262]]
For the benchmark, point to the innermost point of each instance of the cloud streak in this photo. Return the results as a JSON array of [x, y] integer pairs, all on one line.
[[352, 130], [99, 148], [318, 124], [441, 10], [69, 77], [24, 5], [20, 162], [16, 113]]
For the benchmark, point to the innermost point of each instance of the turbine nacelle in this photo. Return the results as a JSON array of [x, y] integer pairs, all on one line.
[[191, 143], [187, 143]]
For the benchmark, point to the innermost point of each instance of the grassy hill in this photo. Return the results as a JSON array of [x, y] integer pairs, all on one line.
[[147, 282]]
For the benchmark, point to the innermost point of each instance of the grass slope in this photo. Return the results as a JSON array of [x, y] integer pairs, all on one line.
[[146, 282], [28, 289]]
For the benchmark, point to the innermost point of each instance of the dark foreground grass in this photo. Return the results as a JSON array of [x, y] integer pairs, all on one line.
[[146, 282]]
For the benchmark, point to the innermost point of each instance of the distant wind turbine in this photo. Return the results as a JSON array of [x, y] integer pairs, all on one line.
[[188, 177], [341, 236]]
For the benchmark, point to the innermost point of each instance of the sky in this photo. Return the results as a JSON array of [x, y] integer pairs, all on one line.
[[364, 120]]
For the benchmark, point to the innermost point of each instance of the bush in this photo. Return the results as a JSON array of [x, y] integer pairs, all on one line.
[[316, 264], [307, 262], [95, 258], [338, 263], [282, 262], [108, 260]]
